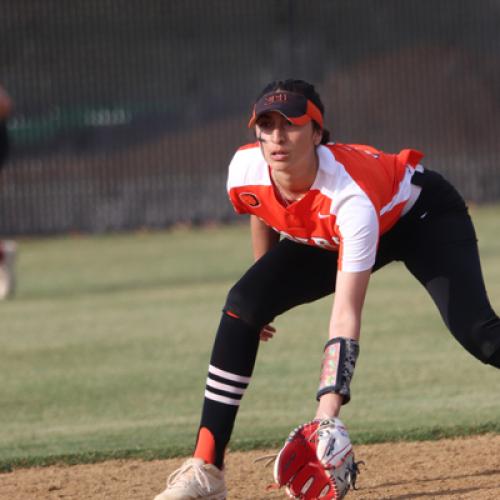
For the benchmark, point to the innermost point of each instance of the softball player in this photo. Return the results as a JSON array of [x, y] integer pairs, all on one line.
[[323, 217], [7, 248]]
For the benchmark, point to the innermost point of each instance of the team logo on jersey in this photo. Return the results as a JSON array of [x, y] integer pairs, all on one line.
[[250, 199]]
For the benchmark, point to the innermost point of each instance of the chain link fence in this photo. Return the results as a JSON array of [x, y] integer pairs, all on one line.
[[128, 113]]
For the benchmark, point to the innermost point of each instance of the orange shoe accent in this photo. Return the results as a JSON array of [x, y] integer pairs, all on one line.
[[205, 446], [232, 314]]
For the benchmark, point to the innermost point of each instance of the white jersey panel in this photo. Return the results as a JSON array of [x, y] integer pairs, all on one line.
[[248, 168], [356, 217]]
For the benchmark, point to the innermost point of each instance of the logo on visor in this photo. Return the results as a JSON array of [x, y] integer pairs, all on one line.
[[271, 99], [250, 199]]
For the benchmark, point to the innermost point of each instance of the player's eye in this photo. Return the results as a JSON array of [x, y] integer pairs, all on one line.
[[265, 123]]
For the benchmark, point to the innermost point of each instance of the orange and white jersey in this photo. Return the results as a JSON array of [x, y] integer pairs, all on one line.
[[359, 193]]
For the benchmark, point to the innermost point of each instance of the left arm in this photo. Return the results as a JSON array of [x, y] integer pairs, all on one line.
[[357, 226], [345, 321]]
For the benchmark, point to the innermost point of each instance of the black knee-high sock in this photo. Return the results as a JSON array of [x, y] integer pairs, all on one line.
[[231, 366]]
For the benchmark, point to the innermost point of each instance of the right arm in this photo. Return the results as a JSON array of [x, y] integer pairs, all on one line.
[[263, 239]]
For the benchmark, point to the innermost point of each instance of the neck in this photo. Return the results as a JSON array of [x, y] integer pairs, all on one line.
[[294, 184]]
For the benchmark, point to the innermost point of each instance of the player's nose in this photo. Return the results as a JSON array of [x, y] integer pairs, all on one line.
[[278, 135]]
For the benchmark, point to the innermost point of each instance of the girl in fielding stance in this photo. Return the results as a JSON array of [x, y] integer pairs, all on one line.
[[323, 217]]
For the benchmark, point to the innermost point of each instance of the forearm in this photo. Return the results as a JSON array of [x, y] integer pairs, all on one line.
[[345, 324], [344, 333]]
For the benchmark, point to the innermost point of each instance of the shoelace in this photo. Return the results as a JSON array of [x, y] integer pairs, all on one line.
[[181, 476]]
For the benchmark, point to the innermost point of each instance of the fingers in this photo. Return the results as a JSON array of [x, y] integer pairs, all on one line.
[[267, 333]]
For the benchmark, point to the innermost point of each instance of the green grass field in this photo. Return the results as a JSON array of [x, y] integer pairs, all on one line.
[[104, 351]]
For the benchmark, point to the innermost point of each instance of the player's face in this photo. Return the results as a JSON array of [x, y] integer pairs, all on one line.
[[286, 146]]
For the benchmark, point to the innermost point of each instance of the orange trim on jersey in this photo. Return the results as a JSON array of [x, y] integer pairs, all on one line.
[[410, 157], [232, 314], [205, 446]]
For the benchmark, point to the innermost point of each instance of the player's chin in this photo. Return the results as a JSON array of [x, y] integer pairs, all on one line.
[[282, 164]]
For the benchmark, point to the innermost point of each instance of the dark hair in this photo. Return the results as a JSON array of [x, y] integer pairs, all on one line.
[[304, 88]]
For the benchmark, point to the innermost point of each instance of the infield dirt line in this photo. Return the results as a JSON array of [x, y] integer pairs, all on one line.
[[462, 468]]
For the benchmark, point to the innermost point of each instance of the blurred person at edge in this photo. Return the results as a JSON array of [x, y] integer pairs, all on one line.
[[7, 247]]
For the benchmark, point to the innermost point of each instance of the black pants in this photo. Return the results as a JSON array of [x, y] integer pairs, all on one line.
[[435, 240]]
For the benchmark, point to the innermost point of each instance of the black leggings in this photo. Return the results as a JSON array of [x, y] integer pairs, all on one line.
[[435, 240]]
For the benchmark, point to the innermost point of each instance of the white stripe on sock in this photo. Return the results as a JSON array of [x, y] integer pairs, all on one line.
[[224, 387], [228, 375], [221, 399]]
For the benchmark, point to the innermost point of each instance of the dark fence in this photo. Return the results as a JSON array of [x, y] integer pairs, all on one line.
[[128, 112]]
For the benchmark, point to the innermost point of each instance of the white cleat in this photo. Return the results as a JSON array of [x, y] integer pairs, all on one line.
[[195, 480]]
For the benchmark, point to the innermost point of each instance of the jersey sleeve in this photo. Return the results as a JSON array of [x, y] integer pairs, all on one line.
[[234, 173], [410, 157], [357, 226]]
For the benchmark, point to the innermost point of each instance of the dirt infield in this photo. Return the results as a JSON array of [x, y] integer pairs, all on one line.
[[457, 468]]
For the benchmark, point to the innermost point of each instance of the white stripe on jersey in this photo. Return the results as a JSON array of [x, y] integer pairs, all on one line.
[[403, 192], [334, 182], [356, 216]]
